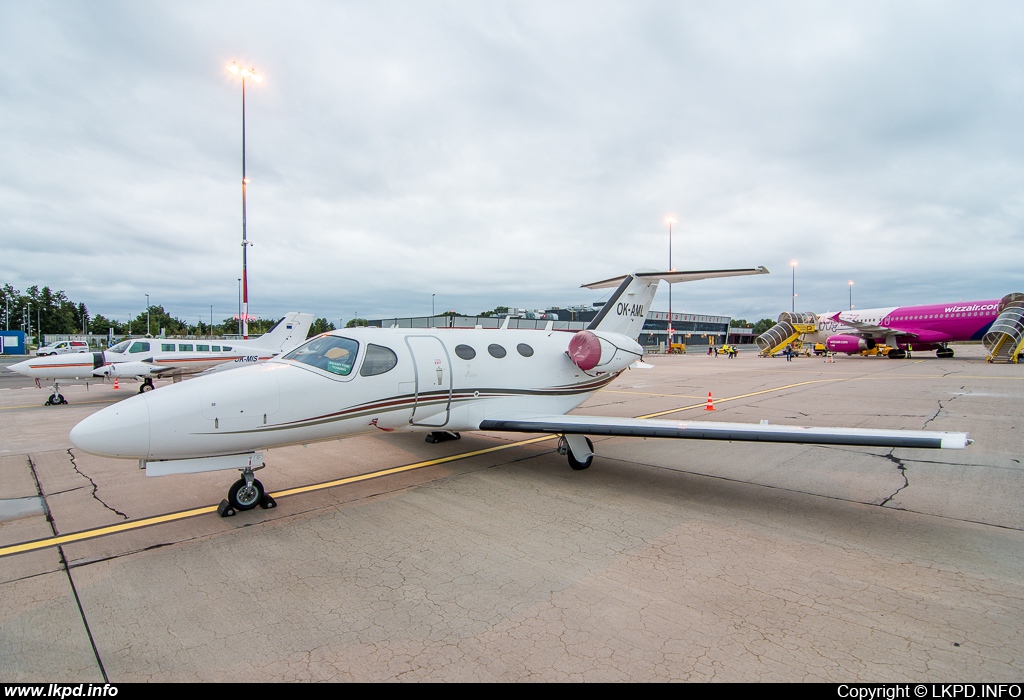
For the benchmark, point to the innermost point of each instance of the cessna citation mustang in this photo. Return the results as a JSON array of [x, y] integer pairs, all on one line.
[[439, 381], [147, 358]]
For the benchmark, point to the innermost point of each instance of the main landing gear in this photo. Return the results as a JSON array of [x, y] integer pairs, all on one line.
[[944, 352], [56, 399], [441, 436], [147, 385], [578, 449], [245, 494]]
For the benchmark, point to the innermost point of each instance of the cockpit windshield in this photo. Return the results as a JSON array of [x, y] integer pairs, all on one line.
[[120, 347], [328, 352]]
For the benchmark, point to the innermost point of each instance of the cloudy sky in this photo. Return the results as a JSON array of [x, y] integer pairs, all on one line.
[[505, 153]]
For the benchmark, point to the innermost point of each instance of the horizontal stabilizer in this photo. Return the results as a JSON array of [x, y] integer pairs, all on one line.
[[740, 432], [626, 309], [679, 276]]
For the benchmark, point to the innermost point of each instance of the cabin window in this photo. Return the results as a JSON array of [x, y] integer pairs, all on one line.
[[216, 348], [525, 350], [167, 347], [202, 348], [496, 350], [184, 347], [379, 360], [465, 352], [226, 348], [139, 346], [328, 352]]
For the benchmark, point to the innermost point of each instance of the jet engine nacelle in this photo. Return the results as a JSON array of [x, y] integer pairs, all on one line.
[[124, 370], [848, 343], [603, 351]]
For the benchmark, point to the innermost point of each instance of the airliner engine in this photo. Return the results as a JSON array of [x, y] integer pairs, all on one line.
[[848, 343]]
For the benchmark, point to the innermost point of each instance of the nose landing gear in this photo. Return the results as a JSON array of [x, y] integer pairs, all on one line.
[[245, 494], [55, 399], [147, 385]]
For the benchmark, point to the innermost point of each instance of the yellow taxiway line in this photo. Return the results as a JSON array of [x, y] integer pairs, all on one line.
[[72, 537]]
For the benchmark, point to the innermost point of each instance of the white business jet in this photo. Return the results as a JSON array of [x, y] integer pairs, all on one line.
[[148, 358], [434, 380]]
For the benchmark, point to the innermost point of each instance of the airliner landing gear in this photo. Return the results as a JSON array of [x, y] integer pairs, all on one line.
[[897, 354], [441, 436], [147, 385], [573, 445], [944, 352], [245, 494], [56, 399]]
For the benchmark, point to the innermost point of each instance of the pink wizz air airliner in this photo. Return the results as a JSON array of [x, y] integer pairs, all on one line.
[[907, 328]]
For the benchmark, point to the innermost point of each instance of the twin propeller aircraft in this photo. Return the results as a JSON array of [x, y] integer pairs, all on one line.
[[438, 381]]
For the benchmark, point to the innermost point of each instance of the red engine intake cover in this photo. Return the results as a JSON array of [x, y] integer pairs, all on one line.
[[585, 350]]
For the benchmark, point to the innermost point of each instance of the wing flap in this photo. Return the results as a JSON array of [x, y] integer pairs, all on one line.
[[739, 432]]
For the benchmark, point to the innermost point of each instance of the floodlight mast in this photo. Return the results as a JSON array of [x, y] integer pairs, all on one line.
[[244, 73], [671, 331]]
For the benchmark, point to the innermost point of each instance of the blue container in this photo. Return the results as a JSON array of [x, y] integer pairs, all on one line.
[[13, 342]]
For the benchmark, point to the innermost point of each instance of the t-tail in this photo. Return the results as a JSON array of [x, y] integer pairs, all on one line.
[[287, 334], [627, 309]]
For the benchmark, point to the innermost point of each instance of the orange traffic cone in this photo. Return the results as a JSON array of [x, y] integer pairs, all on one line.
[[115, 383], [711, 404]]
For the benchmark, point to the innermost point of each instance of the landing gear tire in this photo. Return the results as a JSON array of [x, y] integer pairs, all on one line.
[[575, 463], [944, 352], [245, 497], [147, 385], [56, 400], [897, 354]]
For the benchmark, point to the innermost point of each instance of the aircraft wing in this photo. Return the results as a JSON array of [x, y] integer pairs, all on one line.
[[739, 432]]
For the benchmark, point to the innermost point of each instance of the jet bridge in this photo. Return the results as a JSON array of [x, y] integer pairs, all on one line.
[[1005, 338], [788, 329]]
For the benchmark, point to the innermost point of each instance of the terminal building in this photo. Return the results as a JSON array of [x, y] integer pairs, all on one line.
[[695, 331]]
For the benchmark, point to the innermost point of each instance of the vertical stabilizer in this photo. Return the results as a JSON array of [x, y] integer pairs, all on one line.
[[627, 309], [287, 334]]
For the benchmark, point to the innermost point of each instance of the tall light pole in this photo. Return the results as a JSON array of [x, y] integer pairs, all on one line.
[[235, 69], [670, 221], [148, 332], [851, 295], [432, 308], [239, 306], [793, 299]]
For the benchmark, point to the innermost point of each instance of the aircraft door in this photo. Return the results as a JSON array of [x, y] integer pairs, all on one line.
[[433, 366]]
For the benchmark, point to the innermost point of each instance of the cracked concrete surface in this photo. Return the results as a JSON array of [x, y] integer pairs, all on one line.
[[663, 561]]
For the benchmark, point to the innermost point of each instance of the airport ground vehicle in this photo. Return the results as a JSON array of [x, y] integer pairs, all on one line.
[[63, 346]]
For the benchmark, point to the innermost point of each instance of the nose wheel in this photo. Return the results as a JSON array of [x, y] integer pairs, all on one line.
[[147, 385], [245, 494], [56, 398]]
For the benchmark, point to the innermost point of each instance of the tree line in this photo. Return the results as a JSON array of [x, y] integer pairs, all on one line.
[[42, 310]]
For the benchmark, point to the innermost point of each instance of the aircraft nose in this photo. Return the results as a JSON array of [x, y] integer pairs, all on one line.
[[121, 430], [19, 367]]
